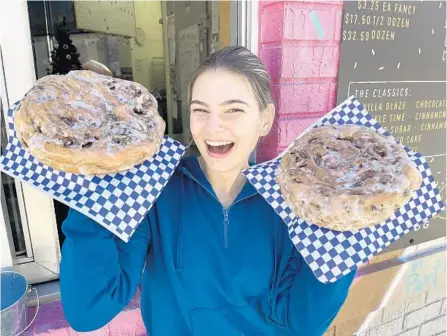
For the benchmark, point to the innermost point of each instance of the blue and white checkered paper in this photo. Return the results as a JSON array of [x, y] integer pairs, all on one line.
[[119, 202], [333, 254]]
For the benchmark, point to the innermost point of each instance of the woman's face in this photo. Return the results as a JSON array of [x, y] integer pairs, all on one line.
[[226, 121]]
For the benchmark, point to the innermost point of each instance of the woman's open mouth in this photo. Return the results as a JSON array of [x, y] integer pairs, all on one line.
[[219, 149]]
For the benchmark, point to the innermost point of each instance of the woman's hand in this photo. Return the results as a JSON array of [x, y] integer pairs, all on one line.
[[97, 67]]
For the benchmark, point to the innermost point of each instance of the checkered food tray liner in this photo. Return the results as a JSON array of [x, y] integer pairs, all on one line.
[[333, 254], [119, 202]]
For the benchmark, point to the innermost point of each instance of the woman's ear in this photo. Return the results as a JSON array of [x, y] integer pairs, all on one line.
[[268, 116]]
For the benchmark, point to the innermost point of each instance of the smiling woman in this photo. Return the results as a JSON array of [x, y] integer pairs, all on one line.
[[219, 148], [231, 108], [222, 261]]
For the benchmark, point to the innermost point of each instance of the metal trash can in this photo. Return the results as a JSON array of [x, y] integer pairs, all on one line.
[[14, 295]]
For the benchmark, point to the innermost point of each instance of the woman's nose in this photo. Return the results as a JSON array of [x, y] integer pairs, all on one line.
[[215, 123]]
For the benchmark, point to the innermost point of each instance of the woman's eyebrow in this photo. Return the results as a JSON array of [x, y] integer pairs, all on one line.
[[198, 102], [234, 101], [228, 102]]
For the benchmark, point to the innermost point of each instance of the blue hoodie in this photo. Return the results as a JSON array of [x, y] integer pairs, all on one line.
[[203, 270]]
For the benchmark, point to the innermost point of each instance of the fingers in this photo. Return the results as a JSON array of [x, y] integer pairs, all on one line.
[[97, 67]]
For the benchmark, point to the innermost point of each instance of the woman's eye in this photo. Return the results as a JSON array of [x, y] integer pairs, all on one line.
[[200, 110], [235, 110]]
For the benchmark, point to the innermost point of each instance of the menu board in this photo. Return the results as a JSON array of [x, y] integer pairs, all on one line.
[[393, 60]]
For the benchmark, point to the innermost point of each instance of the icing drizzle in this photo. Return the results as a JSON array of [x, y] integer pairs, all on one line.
[[87, 110], [360, 162]]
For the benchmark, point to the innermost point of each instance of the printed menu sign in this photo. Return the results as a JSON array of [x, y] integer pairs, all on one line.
[[393, 60]]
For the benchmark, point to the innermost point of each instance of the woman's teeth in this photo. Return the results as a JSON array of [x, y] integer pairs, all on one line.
[[218, 143], [219, 149]]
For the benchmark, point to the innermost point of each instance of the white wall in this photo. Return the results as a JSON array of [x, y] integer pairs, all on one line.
[[17, 52]]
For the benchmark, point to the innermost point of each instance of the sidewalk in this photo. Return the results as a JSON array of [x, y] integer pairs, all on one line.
[[50, 321]]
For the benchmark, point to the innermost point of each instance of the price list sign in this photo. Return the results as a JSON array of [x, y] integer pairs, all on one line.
[[393, 60]]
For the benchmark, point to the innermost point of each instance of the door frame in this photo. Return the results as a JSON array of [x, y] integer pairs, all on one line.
[[246, 20]]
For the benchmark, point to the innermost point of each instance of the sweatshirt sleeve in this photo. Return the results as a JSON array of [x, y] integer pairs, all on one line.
[[99, 273], [304, 305]]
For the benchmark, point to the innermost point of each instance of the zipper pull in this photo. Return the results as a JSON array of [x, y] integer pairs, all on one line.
[[226, 224], [226, 215]]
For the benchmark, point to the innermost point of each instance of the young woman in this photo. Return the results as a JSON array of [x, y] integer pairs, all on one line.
[[212, 257]]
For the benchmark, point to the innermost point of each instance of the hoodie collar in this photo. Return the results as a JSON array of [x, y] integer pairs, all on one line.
[[190, 167]]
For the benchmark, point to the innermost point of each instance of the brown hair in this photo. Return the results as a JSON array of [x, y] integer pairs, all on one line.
[[243, 62]]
